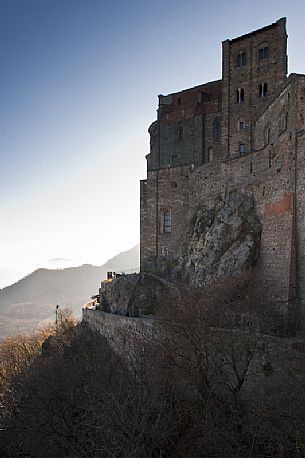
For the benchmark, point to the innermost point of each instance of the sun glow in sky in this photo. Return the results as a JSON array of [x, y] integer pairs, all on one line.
[[79, 81]]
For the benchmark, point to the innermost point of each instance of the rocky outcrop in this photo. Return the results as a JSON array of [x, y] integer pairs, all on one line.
[[131, 295], [220, 241]]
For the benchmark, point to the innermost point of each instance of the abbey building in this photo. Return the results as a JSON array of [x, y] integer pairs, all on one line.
[[243, 133]]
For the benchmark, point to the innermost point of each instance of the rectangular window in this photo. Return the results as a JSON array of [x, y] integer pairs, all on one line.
[[242, 148], [167, 222], [242, 125], [180, 134], [263, 53]]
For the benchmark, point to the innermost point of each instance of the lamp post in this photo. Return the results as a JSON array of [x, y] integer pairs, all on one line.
[[56, 315]]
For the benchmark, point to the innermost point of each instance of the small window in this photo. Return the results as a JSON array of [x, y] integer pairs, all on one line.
[[267, 136], [179, 101], [240, 95], [251, 167], [241, 125], [210, 154], [263, 53], [263, 90], [242, 148], [167, 222], [174, 157], [286, 121], [241, 60], [216, 130], [283, 122], [180, 134]]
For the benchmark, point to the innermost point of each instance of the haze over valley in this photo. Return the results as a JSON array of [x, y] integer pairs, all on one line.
[[33, 299]]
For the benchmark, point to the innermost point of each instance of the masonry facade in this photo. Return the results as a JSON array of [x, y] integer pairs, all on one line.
[[245, 132]]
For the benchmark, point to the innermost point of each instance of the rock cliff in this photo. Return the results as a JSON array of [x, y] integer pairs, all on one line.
[[220, 241]]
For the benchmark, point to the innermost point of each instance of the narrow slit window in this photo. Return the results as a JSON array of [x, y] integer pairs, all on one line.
[[167, 222], [263, 90], [216, 130], [240, 95], [243, 59], [180, 134], [286, 121]]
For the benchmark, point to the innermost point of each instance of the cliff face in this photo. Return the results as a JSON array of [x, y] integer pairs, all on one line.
[[220, 241]]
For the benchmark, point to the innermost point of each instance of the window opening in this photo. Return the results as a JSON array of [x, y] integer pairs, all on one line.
[[263, 53], [240, 95], [216, 130], [241, 60], [167, 222], [267, 135], [263, 90], [179, 101], [286, 121], [241, 125], [180, 134], [242, 148]]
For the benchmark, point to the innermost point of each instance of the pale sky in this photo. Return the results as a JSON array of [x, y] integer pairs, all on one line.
[[79, 81]]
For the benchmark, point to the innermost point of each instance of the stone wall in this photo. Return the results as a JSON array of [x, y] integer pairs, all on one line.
[[116, 327], [277, 363]]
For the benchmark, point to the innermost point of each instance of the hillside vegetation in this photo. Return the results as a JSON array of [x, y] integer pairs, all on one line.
[[181, 395]]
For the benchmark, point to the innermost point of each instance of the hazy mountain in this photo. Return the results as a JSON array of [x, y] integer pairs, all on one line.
[[33, 298]]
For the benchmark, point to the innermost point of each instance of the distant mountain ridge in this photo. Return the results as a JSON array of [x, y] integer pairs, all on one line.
[[34, 297]]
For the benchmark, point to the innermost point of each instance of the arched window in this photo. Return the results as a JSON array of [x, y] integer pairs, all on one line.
[[240, 95], [167, 222], [210, 154], [179, 101], [263, 90], [241, 60], [216, 130]]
